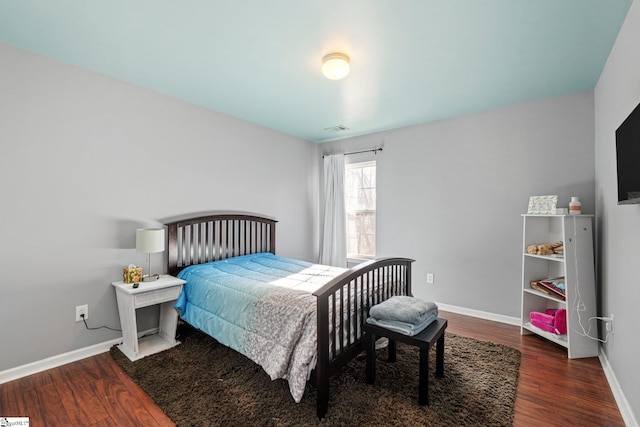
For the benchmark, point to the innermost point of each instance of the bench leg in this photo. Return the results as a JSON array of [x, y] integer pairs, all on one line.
[[423, 389], [440, 357], [370, 347], [392, 351]]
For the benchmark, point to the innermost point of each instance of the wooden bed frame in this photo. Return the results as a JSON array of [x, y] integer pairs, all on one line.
[[215, 237]]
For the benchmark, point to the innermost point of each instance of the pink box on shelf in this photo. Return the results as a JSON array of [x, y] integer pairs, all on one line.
[[552, 320]]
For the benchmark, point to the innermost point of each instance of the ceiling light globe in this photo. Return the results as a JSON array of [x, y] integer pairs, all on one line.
[[335, 66]]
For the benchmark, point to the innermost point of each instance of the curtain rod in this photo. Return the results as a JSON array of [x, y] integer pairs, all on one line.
[[374, 150]]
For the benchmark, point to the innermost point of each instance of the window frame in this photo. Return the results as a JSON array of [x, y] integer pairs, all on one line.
[[357, 258]]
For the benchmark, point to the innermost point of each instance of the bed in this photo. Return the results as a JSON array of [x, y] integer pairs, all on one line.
[[300, 321]]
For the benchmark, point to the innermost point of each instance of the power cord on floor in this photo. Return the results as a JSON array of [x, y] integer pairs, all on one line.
[[99, 327]]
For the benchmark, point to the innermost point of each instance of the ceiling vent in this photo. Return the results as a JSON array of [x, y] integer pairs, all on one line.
[[338, 128]]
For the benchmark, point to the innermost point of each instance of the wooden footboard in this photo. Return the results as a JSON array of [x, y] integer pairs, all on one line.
[[343, 306]]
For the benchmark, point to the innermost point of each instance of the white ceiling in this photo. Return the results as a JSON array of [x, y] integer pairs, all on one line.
[[412, 61]]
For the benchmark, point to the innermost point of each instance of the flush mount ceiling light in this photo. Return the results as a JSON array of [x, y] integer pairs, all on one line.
[[335, 66]]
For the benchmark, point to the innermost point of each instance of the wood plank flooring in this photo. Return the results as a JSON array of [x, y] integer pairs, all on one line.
[[552, 390]]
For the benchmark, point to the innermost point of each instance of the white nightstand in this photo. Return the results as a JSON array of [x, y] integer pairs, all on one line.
[[164, 291]]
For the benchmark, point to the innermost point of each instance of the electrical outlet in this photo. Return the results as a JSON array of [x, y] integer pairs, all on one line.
[[80, 310], [430, 278], [610, 325]]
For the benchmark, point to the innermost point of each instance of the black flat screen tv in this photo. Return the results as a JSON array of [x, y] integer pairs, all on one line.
[[628, 159]]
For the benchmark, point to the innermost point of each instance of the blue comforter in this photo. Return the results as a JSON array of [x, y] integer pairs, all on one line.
[[261, 306]]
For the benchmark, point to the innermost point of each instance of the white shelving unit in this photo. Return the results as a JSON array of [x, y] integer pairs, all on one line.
[[577, 267]]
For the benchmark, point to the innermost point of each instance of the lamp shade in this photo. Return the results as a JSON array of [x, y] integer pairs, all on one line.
[[150, 240], [335, 66]]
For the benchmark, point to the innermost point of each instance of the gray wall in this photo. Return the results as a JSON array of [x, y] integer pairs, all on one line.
[[87, 159], [451, 193], [618, 228]]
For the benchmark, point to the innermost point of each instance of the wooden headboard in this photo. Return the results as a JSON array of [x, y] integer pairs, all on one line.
[[211, 238]]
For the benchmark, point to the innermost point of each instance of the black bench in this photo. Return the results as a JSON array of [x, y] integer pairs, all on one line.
[[432, 334]]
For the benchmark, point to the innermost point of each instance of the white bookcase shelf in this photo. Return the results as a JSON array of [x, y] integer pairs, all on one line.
[[576, 266], [558, 339]]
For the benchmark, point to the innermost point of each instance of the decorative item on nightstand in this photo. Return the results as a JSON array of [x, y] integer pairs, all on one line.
[[132, 274], [150, 240]]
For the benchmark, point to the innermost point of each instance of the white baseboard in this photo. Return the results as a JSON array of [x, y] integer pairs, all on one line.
[[62, 359], [480, 314], [55, 361], [622, 402]]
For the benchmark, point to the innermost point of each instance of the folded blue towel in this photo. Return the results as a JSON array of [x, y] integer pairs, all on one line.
[[404, 309], [409, 329]]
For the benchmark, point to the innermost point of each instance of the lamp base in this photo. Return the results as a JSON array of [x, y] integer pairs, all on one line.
[[151, 278]]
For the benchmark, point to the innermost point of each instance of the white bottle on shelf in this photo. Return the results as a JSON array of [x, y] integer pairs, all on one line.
[[575, 207]]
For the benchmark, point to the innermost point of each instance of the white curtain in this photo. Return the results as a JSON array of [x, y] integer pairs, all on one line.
[[334, 231]]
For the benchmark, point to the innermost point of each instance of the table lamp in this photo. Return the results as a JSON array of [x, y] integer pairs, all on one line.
[[150, 240]]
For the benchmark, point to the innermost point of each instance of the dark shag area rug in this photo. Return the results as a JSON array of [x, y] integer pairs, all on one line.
[[203, 383]]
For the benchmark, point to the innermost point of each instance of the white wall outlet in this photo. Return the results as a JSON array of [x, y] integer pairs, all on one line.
[[80, 310], [430, 278], [610, 324]]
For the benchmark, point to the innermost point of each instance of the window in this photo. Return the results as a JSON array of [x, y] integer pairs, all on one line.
[[360, 204]]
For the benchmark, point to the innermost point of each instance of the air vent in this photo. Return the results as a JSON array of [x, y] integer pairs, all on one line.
[[338, 128]]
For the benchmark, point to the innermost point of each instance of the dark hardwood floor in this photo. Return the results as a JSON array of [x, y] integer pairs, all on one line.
[[552, 390]]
